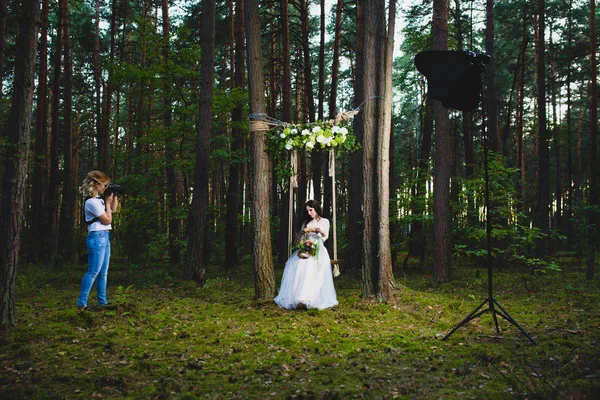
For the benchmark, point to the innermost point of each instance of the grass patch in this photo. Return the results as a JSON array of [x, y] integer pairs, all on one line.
[[167, 338]]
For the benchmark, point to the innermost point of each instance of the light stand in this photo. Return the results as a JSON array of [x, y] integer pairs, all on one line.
[[493, 306]]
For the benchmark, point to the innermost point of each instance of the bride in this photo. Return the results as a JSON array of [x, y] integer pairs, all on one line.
[[308, 282]]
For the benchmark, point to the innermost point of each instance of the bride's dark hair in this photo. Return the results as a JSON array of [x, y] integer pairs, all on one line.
[[312, 204]]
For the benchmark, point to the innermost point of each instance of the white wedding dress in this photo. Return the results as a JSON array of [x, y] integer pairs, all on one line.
[[309, 281]]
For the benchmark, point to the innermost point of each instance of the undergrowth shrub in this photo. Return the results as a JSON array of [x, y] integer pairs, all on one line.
[[513, 237]]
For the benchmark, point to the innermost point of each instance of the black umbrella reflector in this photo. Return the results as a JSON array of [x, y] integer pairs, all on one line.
[[453, 77]]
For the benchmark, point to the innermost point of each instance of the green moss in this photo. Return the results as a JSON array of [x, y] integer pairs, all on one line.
[[177, 340]]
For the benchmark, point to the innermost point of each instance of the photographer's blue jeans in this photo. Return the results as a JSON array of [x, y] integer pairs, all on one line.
[[98, 246]]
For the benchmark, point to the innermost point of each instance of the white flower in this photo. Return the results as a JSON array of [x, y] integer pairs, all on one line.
[[344, 131], [305, 132], [310, 145], [294, 131], [321, 139], [335, 129], [282, 135], [316, 129], [288, 146]]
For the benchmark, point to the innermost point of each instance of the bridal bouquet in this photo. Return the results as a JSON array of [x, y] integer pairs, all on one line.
[[306, 247]]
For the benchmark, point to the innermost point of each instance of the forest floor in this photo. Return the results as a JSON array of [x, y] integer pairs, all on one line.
[[165, 338]]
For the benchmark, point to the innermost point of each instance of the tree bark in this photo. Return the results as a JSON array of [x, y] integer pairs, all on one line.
[[234, 192], [333, 109], [39, 186], [171, 145], [490, 75], [376, 256], [54, 183], [543, 195], [67, 217], [569, 126], [356, 193], [442, 216], [519, 110], [18, 131], [594, 168], [467, 127], [418, 232], [264, 277], [321, 63], [3, 16], [286, 115], [195, 257], [385, 274]]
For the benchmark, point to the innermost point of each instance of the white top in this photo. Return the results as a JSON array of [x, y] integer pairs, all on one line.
[[322, 224], [95, 207]]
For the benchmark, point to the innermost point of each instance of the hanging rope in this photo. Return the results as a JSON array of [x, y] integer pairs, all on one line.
[[256, 126], [263, 122], [293, 185], [334, 260]]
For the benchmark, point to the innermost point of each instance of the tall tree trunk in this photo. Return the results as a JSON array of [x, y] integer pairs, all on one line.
[[333, 109], [3, 17], [442, 216], [594, 168], [418, 232], [386, 276], [356, 194], [519, 109], [286, 105], [38, 227], [54, 183], [234, 192], [67, 216], [316, 157], [490, 74], [286, 115], [18, 131], [579, 169], [171, 146], [321, 63], [543, 195], [556, 142], [195, 260], [264, 276], [375, 163], [569, 174], [102, 134], [308, 76], [467, 127]]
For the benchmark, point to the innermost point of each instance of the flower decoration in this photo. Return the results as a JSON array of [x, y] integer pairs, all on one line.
[[321, 135]]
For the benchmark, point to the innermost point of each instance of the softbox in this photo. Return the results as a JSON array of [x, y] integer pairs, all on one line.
[[453, 77]]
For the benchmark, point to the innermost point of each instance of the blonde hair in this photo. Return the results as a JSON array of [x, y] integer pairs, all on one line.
[[88, 188]]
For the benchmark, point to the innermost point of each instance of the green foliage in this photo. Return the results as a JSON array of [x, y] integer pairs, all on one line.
[[121, 296], [512, 234]]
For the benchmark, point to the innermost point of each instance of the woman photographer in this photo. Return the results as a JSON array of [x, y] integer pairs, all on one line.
[[98, 217]]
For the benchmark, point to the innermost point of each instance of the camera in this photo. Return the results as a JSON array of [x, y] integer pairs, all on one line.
[[115, 189]]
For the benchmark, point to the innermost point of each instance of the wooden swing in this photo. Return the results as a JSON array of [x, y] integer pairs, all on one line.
[[294, 184]]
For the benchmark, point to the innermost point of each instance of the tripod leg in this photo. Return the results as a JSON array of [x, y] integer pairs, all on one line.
[[504, 314], [493, 311], [467, 319]]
